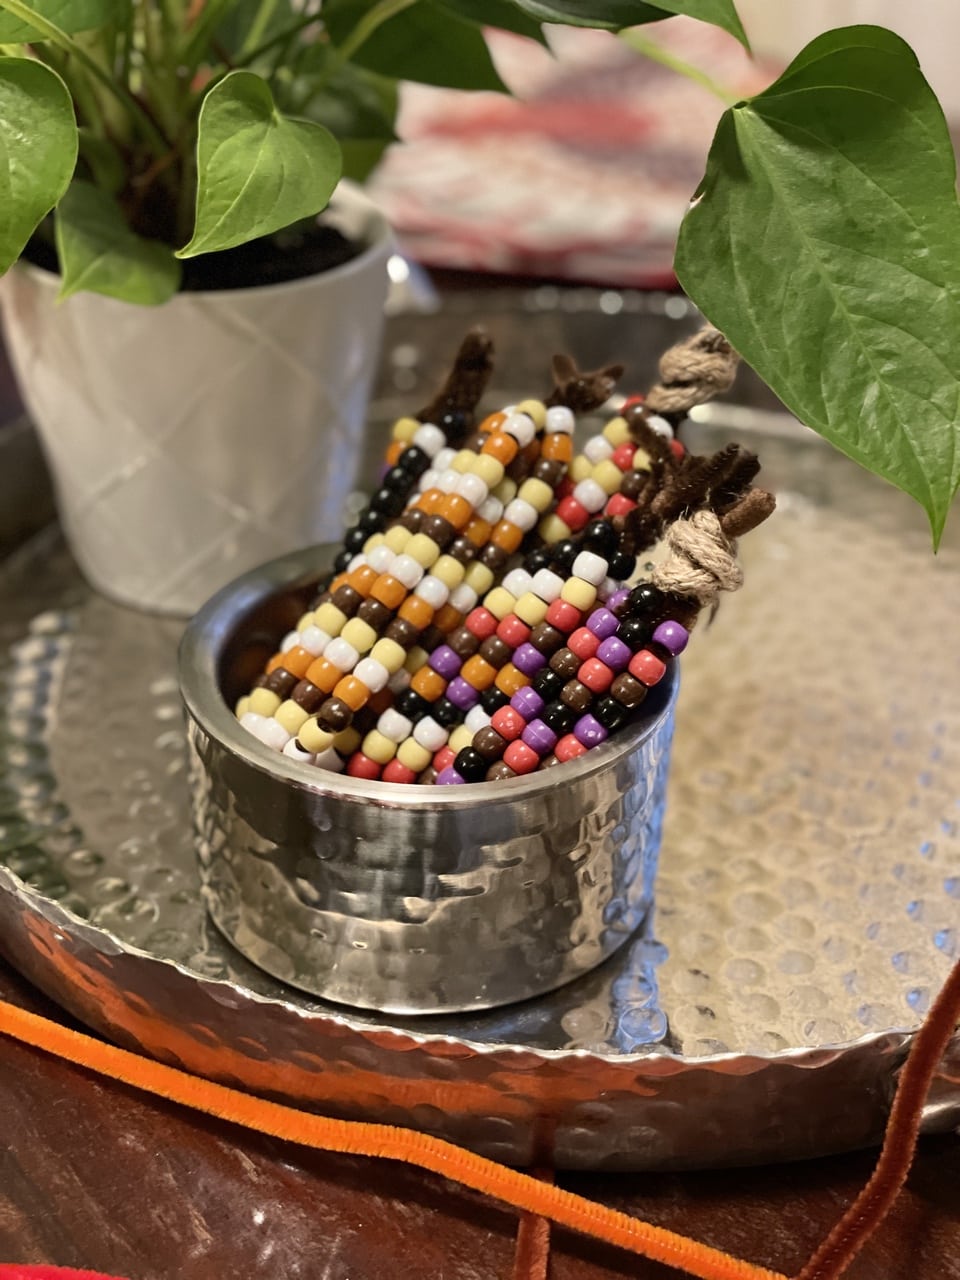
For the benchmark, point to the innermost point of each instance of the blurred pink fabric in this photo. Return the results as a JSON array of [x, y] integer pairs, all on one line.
[[584, 175]]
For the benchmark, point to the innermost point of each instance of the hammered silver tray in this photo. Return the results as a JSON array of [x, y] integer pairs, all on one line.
[[808, 902]]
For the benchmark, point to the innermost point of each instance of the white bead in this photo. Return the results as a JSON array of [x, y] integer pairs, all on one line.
[[250, 720], [372, 673], [660, 425], [293, 752], [330, 761], [448, 480], [518, 582], [399, 681], [444, 458], [395, 726], [598, 449], [521, 513], [381, 558], [588, 566], [430, 734], [547, 585], [270, 732], [473, 489], [607, 588], [476, 719], [435, 592], [428, 480], [463, 598], [521, 427], [407, 570], [358, 561], [491, 510], [314, 640], [590, 494], [560, 418], [342, 654], [429, 438], [290, 641]]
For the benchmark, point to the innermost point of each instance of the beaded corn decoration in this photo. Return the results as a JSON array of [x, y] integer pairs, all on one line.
[[481, 621]]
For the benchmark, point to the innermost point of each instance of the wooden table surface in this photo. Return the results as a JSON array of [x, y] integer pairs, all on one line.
[[95, 1175]]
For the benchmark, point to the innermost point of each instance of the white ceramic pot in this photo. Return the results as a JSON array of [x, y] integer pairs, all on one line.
[[192, 441]]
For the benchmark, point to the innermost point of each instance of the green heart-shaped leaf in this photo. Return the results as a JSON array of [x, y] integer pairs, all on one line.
[[826, 244], [99, 253], [38, 149], [257, 170], [617, 14], [68, 15]]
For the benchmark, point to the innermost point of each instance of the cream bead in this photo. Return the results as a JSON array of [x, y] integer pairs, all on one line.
[[536, 410], [397, 539], [346, 741], [538, 493], [313, 738], [390, 653], [478, 577], [263, 702], [404, 429], [415, 659], [449, 571], [582, 595], [580, 468], [489, 469], [423, 549], [464, 461], [460, 738], [291, 715], [243, 706], [415, 757], [617, 432], [378, 747], [360, 634], [499, 602], [553, 529], [505, 491], [531, 609], [306, 621], [608, 476]]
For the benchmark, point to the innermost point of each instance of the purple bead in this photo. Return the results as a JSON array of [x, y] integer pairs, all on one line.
[[617, 599], [539, 737], [672, 636], [589, 731], [614, 653], [462, 694], [528, 702], [528, 659], [445, 662], [448, 776], [602, 623]]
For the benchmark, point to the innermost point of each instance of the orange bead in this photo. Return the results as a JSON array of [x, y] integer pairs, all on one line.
[[297, 660], [478, 531], [341, 580], [501, 446], [389, 591], [352, 691], [415, 610], [507, 536], [456, 509], [478, 672], [557, 447], [394, 451], [492, 422], [362, 579], [323, 674], [430, 501], [275, 661], [447, 618], [428, 684], [510, 679]]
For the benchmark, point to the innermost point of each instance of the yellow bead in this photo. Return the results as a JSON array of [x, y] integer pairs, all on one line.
[[423, 549], [449, 571], [582, 595], [505, 491], [263, 702], [617, 431], [306, 621], [375, 540], [378, 747], [404, 429], [391, 654], [608, 476], [580, 468], [312, 738], [243, 706], [415, 659], [536, 410], [641, 461], [538, 493], [499, 601], [488, 468], [478, 577], [330, 619], [463, 461], [397, 538], [531, 609], [346, 741], [553, 529], [460, 738], [360, 634], [415, 757], [291, 715]]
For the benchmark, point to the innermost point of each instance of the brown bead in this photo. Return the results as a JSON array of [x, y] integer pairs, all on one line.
[[565, 663], [462, 549], [431, 637], [489, 743], [576, 696], [261, 682], [428, 777], [496, 652], [375, 613], [412, 520], [281, 682], [404, 632], [627, 690], [499, 772], [474, 441], [463, 642], [493, 557], [549, 761], [335, 715], [549, 471], [347, 599], [545, 638], [633, 484], [518, 468], [319, 599], [307, 695], [439, 529]]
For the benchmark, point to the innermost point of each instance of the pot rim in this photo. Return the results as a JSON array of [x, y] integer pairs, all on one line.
[[210, 628]]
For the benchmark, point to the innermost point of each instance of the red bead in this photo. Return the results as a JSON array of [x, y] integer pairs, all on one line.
[[622, 456], [361, 766], [444, 758], [563, 489], [397, 772], [677, 448], [568, 748], [647, 667], [481, 622], [573, 513], [618, 505], [631, 401], [512, 631], [596, 675], [520, 757], [564, 616], [508, 723], [583, 643]]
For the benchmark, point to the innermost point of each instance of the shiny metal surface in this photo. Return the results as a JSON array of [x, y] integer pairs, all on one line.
[[409, 900]]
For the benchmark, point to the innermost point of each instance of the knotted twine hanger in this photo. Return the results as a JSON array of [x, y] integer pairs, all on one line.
[[693, 372]]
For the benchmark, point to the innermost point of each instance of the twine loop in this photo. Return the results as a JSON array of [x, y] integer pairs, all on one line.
[[693, 372], [701, 560]]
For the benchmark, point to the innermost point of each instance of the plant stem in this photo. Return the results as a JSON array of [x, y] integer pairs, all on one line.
[[50, 31], [374, 18], [657, 53], [209, 18], [257, 27], [281, 37]]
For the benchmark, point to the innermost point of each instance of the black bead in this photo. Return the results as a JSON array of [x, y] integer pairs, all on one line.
[[493, 699], [470, 765], [398, 480], [548, 684], [413, 461], [539, 558], [446, 713], [610, 712], [599, 536], [410, 704], [634, 633], [370, 522], [454, 424], [644, 601], [354, 541], [387, 501], [559, 718], [620, 566], [342, 560], [564, 553]]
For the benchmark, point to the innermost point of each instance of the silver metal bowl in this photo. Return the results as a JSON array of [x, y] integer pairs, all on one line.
[[408, 899]]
